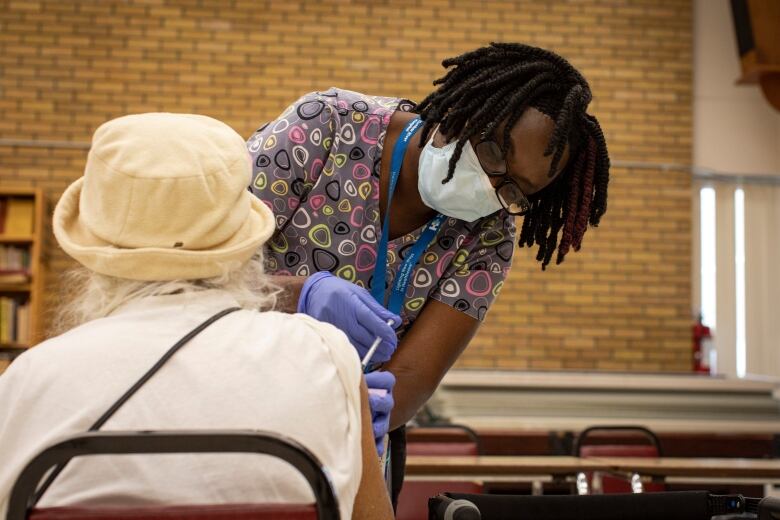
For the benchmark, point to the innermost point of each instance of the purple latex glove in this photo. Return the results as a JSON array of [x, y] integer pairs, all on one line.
[[353, 310], [380, 400]]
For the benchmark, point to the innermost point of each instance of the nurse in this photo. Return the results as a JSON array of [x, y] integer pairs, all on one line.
[[398, 220]]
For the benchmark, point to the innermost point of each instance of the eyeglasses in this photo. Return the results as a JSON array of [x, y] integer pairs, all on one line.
[[493, 162]]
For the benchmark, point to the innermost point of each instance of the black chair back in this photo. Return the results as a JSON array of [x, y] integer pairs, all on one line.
[[207, 441]]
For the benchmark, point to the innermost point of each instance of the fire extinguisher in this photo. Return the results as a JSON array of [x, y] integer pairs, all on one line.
[[702, 347]]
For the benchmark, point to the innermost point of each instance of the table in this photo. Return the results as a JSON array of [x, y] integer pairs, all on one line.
[[498, 466], [736, 469], [507, 468], [547, 443]]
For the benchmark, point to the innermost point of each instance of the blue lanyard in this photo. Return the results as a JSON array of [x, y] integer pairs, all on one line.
[[404, 275]]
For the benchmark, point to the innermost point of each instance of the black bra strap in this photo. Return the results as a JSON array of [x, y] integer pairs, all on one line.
[[133, 389]]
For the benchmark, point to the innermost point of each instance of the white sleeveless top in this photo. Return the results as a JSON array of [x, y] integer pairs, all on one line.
[[249, 370]]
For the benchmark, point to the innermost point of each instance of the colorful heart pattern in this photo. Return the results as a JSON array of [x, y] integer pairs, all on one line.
[[317, 167]]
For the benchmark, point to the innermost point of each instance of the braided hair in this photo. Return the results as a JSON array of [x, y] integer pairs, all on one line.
[[497, 83]]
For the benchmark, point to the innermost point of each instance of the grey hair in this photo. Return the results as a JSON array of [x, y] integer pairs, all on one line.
[[88, 295]]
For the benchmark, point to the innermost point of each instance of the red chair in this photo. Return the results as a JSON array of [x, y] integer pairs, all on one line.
[[23, 494], [446, 440], [617, 441]]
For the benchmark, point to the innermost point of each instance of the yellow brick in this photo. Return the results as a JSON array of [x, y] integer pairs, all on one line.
[[627, 289], [24, 5]]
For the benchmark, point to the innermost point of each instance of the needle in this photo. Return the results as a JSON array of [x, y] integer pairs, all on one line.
[[372, 349]]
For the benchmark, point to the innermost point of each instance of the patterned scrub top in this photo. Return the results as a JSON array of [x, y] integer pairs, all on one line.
[[317, 167]]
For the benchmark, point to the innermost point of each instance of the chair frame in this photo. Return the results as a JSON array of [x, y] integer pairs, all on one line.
[[635, 480], [406, 505], [158, 442], [470, 432], [652, 437]]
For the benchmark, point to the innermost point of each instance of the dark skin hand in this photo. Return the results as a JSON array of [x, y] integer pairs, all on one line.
[[428, 349]]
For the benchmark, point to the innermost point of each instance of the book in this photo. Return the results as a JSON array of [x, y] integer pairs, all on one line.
[[23, 324], [19, 216], [12, 329], [4, 321], [2, 215], [14, 264], [11, 278]]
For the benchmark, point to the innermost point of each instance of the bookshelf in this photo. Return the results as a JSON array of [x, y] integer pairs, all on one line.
[[21, 274]]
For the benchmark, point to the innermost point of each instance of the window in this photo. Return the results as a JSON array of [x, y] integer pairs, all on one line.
[[708, 256], [732, 306]]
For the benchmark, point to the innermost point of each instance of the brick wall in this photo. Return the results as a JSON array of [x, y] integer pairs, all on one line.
[[621, 304]]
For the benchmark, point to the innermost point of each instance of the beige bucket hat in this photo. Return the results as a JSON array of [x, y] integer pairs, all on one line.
[[163, 197]]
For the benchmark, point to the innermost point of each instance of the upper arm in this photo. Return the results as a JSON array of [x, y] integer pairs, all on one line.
[[434, 342], [289, 153], [372, 501], [476, 273]]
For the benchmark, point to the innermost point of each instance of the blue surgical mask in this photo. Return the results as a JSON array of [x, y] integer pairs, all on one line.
[[468, 196]]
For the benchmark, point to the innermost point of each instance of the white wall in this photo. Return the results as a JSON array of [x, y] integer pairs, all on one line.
[[734, 128], [736, 131]]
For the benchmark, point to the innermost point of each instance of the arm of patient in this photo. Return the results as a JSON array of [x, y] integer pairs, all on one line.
[[372, 501], [291, 286]]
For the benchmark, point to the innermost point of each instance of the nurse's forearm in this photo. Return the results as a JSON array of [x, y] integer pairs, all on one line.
[[291, 286], [411, 392], [424, 356]]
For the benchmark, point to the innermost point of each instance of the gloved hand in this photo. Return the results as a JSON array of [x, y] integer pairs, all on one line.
[[351, 309], [380, 400]]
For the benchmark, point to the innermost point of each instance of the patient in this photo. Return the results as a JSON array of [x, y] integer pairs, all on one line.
[[168, 236]]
